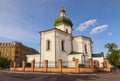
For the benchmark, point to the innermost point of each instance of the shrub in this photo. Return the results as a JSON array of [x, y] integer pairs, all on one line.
[[81, 65], [4, 62]]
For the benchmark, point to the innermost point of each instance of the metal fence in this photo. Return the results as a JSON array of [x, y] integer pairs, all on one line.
[[19, 64], [54, 64], [65, 64], [68, 64], [28, 65], [86, 63]]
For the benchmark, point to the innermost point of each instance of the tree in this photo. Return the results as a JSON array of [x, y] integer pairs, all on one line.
[[111, 46], [4, 62], [113, 54], [114, 58]]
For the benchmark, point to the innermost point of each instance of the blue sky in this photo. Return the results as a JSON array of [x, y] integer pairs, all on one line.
[[22, 20]]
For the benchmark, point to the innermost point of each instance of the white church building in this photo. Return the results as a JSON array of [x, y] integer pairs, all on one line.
[[59, 42]]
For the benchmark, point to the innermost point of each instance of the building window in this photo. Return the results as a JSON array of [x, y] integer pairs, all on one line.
[[63, 45], [66, 30], [73, 59], [48, 45], [16, 51], [16, 57], [85, 49]]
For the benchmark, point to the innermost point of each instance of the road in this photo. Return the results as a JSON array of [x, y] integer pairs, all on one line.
[[25, 76]]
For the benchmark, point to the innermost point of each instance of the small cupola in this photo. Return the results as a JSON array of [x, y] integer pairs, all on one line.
[[63, 19], [62, 12]]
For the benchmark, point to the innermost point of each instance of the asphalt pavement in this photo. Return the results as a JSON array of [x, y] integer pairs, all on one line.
[[36, 76]]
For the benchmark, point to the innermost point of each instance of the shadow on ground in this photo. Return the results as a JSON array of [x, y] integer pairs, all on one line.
[[70, 77]]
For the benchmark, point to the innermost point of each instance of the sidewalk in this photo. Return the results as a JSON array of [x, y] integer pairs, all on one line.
[[98, 73]]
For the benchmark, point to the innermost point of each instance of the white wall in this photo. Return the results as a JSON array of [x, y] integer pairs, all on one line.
[[76, 56], [48, 54], [79, 45], [56, 36], [60, 54], [30, 58], [100, 59], [64, 27]]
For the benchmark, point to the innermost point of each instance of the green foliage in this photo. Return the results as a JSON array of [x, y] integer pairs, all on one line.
[[113, 54], [81, 65], [3, 62], [114, 58], [111, 47]]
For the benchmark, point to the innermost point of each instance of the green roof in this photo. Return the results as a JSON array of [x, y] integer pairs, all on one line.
[[98, 55], [73, 53], [63, 20]]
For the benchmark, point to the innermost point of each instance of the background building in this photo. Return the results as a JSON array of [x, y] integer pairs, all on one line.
[[15, 51]]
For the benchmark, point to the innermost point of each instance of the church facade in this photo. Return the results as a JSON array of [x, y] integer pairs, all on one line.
[[59, 43]]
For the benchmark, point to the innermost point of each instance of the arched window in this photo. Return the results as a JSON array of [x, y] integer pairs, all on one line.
[[85, 49], [48, 45], [62, 44], [66, 30]]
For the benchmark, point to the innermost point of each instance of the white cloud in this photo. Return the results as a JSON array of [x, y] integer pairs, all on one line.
[[110, 33], [86, 24], [98, 29]]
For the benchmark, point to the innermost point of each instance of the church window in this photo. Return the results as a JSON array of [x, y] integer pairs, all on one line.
[[85, 49], [63, 47], [66, 30], [73, 58], [48, 45]]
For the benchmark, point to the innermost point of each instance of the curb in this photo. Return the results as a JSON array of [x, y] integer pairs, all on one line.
[[6, 71]]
